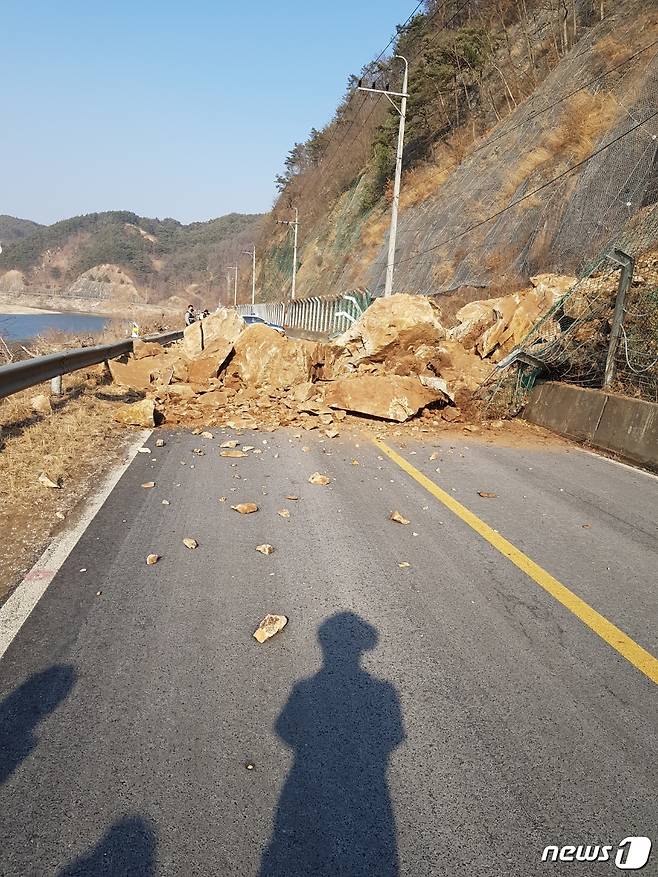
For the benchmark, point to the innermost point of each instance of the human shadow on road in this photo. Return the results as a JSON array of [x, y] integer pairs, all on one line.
[[126, 850], [335, 815], [23, 709]]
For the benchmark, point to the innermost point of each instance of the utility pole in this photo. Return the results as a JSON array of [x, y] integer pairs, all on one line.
[[295, 224], [402, 110], [235, 285], [252, 253]]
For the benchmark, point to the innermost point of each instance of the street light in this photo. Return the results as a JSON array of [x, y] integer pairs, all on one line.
[[235, 286], [252, 253], [402, 110], [295, 225]]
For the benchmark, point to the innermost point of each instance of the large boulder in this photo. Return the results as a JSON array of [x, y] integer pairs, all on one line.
[[142, 349], [138, 414], [392, 397], [212, 334], [461, 369], [139, 374], [515, 317], [472, 321], [388, 322], [203, 368], [263, 357]]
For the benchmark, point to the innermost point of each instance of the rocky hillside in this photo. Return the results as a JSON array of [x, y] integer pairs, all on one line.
[[531, 140], [119, 258]]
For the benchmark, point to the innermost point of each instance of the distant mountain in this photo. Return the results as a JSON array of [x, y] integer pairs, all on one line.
[[161, 258], [14, 229]]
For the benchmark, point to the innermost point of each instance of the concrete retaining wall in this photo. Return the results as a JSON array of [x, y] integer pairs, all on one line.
[[627, 427]]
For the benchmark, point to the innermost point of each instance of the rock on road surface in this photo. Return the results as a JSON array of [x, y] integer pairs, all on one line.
[[448, 717]]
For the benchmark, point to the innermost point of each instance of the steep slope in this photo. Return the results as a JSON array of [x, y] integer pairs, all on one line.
[[505, 97]]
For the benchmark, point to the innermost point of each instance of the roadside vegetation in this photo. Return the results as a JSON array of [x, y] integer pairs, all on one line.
[[72, 440]]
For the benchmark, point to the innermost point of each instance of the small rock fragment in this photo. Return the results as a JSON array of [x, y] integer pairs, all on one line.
[[398, 518], [143, 450], [245, 508], [160, 443], [232, 454], [207, 435], [41, 404], [190, 543], [292, 498], [318, 478], [266, 548], [47, 481], [230, 444], [283, 513], [165, 502], [434, 456], [269, 626], [404, 565], [147, 485], [198, 451], [223, 498], [152, 558], [246, 448], [486, 495]]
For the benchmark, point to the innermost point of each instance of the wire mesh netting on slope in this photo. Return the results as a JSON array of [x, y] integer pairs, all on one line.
[[572, 341]]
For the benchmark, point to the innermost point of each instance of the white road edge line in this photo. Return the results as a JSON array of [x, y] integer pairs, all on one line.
[[18, 607], [635, 469]]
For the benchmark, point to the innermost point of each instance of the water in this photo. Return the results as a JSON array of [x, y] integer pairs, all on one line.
[[22, 327]]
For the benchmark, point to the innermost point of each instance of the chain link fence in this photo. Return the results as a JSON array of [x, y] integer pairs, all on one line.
[[602, 333]]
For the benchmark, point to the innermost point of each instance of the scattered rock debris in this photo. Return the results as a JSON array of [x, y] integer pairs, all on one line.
[[266, 548], [398, 518], [152, 559], [269, 626], [486, 495], [319, 478], [396, 363], [245, 508], [147, 485], [190, 543]]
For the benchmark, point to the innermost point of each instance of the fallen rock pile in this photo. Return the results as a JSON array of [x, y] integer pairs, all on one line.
[[395, 362]]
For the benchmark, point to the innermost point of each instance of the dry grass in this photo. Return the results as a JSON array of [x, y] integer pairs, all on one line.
[[76, 443], [585, 118]]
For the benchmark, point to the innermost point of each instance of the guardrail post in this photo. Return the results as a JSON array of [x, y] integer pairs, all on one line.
[[56, 386], [627, 265]]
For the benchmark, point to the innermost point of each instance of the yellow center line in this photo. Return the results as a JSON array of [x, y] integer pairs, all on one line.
[[642, 660]]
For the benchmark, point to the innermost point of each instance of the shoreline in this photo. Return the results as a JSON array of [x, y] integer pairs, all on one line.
[[23, 310]]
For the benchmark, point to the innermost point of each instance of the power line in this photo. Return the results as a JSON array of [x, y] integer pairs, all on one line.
[[529, 194], [381, 54], [560, 100], [324, 168]]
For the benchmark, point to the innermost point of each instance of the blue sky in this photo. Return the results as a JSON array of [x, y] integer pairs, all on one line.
[[169, 109]]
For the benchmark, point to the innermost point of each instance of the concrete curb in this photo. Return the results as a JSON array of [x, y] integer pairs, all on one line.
[[627, 427]]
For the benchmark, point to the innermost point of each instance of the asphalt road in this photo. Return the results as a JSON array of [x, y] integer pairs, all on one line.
[[449, 717]]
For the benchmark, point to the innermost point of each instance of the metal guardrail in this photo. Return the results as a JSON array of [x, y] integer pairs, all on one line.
[[324, 316], [30, 372]]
